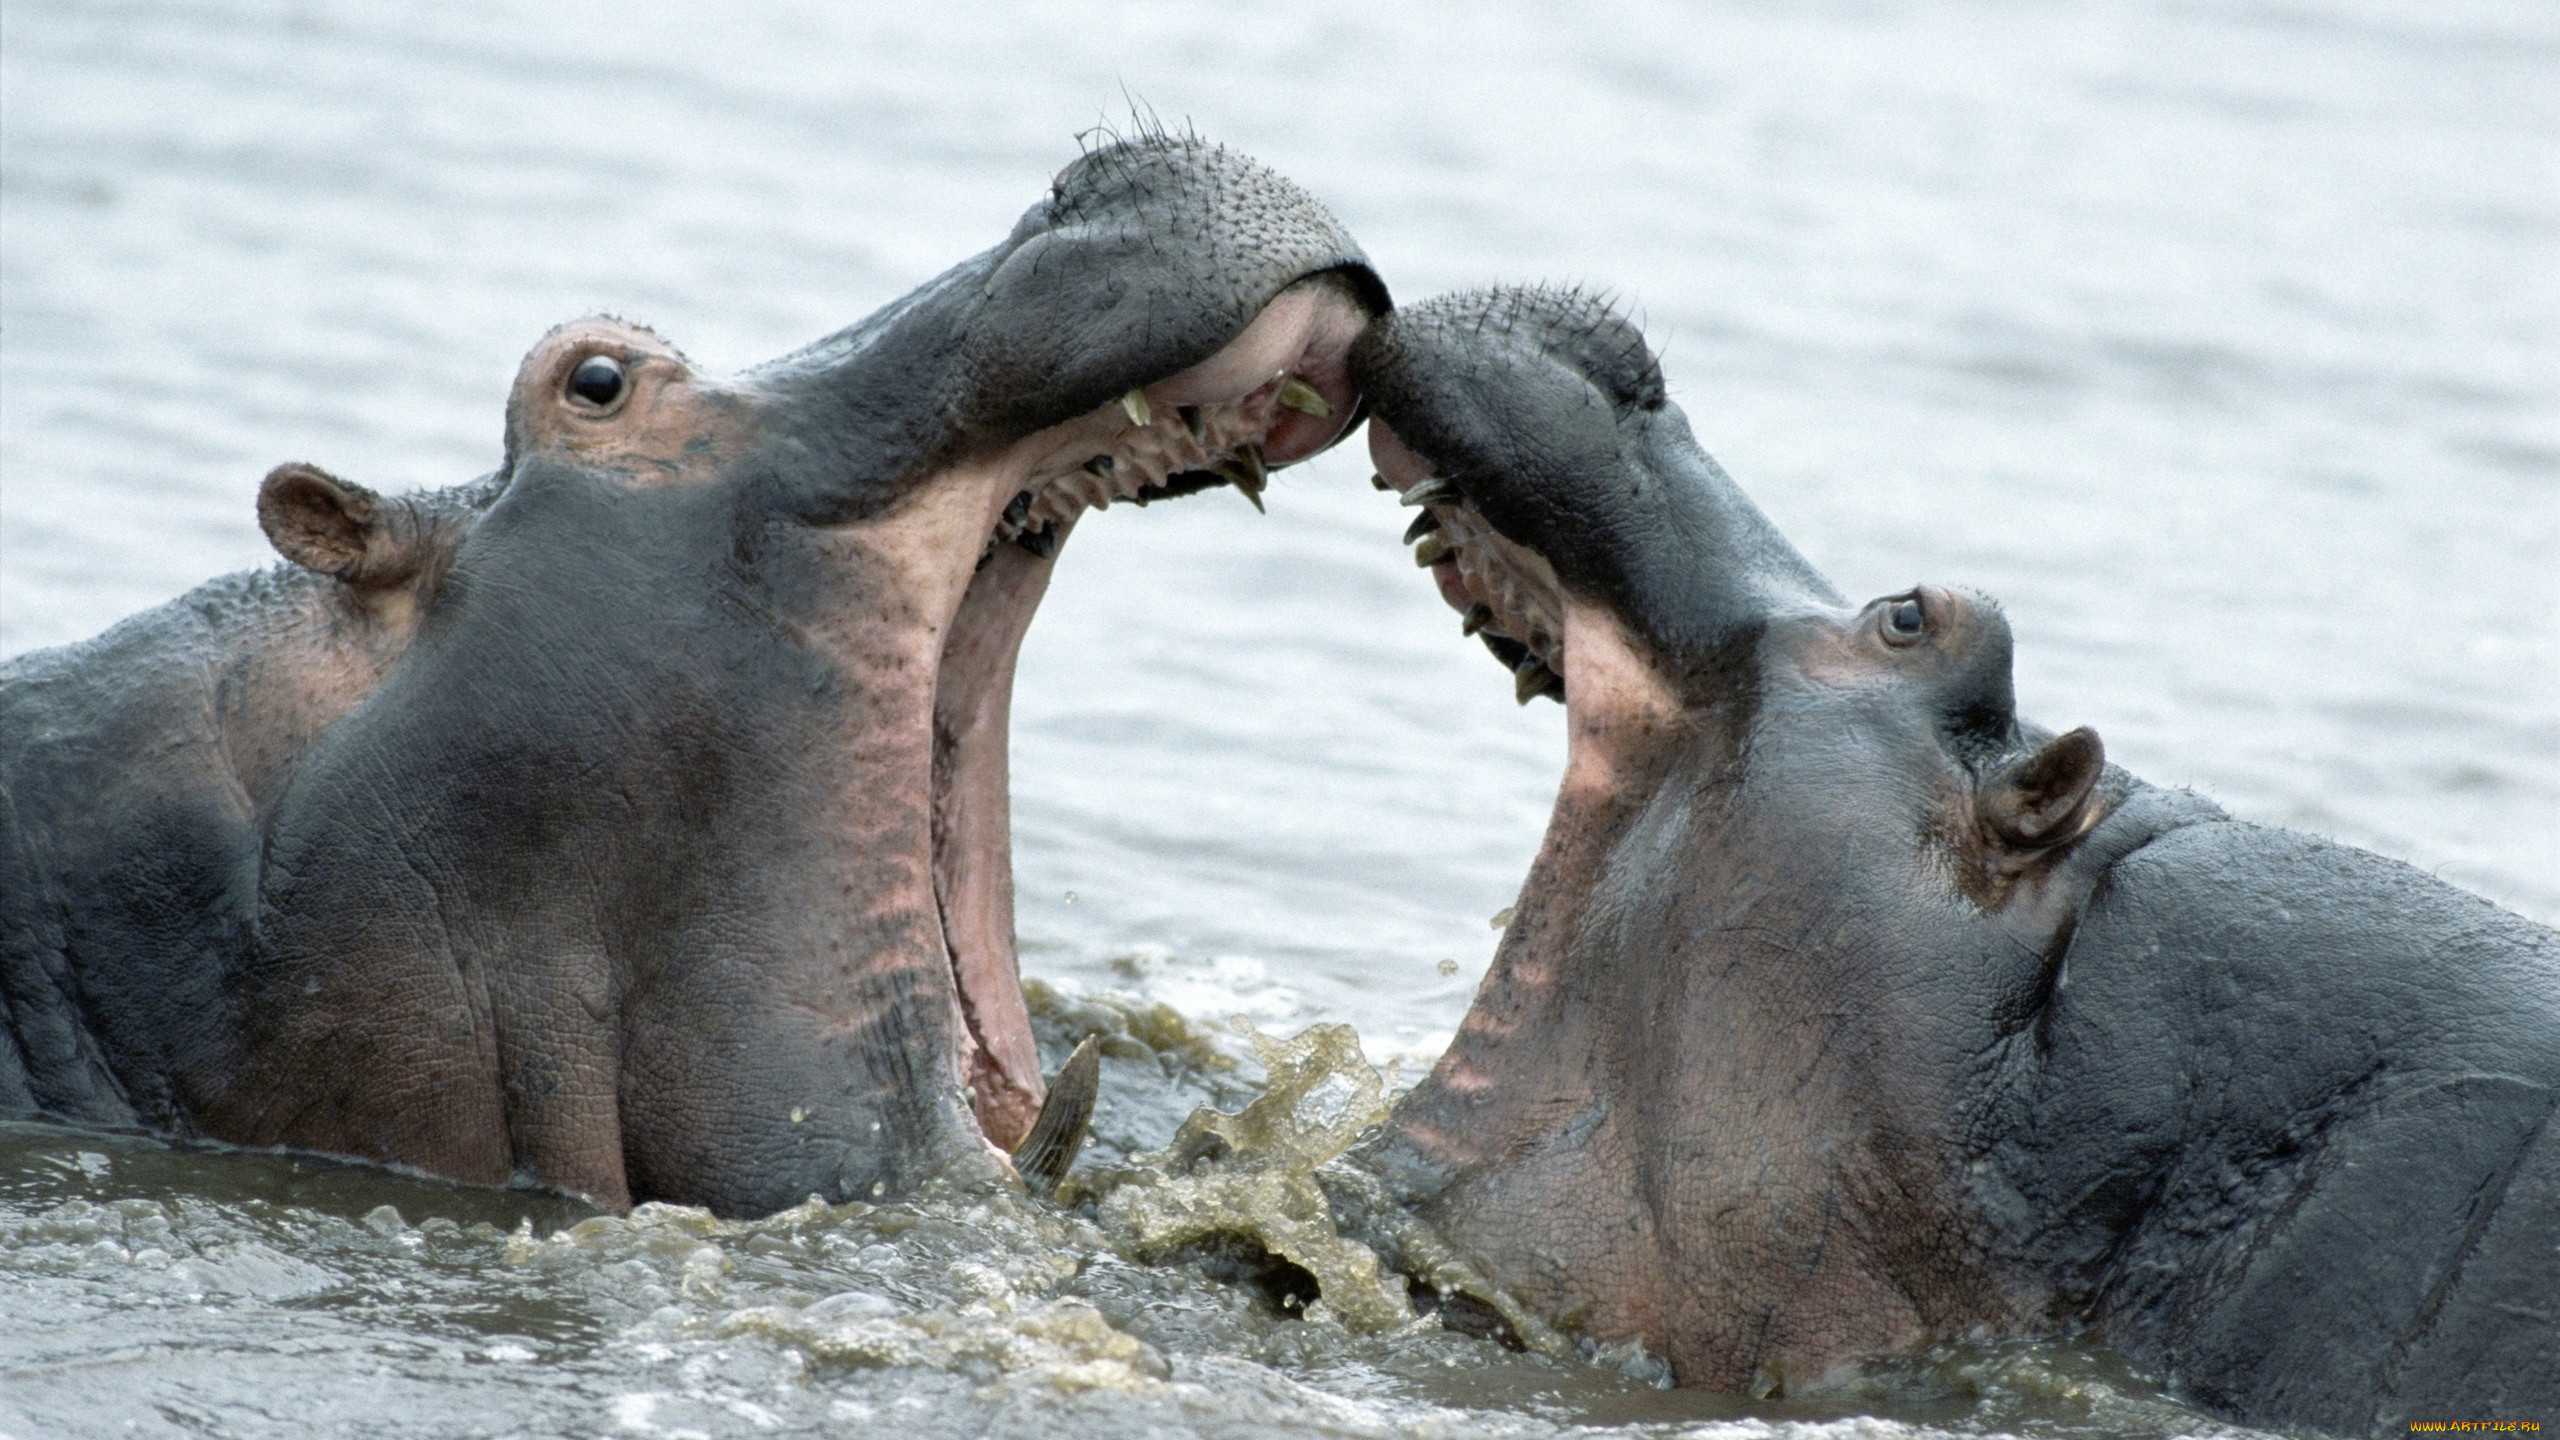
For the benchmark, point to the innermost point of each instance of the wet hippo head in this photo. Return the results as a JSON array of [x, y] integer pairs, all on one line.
[[1568, 514], [1797, 873], [1843, 1009], [672, 860]]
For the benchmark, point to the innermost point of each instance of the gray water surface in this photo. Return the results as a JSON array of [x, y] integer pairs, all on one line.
[[2220, 341]]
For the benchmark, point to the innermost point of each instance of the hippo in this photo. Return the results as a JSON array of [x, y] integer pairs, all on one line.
[[633, 821], [1843, 1010]]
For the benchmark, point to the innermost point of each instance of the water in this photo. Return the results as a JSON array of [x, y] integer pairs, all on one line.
[[168, 1293], [2221, 342]]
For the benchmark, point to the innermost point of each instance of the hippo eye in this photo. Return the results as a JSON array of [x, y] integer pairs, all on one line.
[[1903, 622], [597, 380]]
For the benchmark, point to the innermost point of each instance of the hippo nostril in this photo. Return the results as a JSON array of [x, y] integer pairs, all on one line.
[[597, 380], [1903, 622]]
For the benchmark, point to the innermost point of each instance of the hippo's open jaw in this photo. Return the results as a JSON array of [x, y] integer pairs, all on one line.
[[1276, 393], [981, 538]]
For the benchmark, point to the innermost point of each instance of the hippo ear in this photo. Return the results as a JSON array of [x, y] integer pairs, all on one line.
[[2037, 800], [324, 524]]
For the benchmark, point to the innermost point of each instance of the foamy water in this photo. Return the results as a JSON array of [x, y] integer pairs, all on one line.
[[2222, 343]]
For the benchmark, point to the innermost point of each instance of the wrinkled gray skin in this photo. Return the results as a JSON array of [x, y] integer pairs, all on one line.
[[633, 821], [1844, 1010]]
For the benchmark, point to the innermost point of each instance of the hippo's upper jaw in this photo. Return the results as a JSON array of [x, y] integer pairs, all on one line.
[[1843, 1009], [644, 832]]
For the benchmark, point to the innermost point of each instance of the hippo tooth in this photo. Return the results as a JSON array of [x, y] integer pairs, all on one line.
[[1140, 413], [1246, 473], [1380, 482], [1433, 490], [1478, 616], [1532, 680], [1049, 1150], [1423, 524], [1245, 469], [1297, 394], [1547, 682], [1042, 542], [1101, 465], [1433, 550], [1194, 421]]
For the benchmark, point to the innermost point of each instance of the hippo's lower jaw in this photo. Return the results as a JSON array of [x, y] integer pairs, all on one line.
[[1274, 395]]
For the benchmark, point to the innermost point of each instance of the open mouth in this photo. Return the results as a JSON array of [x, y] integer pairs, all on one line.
[[1275, 394], [1505, 592]]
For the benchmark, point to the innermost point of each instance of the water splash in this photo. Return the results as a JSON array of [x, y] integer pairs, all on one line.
[[1253, 1175]]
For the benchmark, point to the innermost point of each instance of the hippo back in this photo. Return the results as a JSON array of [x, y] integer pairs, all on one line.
[[125, 839], [136, 771], [2289, 1135]]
